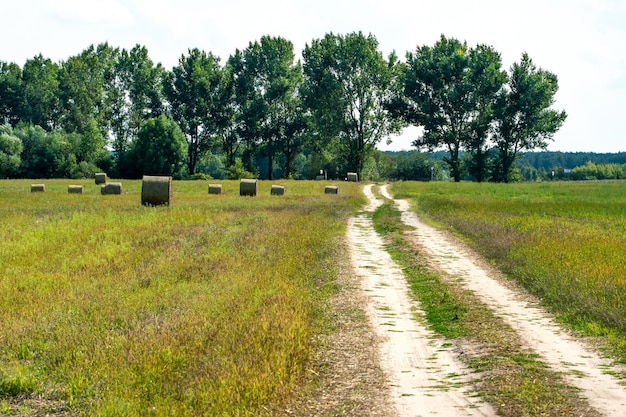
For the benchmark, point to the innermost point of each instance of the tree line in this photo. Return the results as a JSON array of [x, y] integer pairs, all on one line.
[[262, 113]]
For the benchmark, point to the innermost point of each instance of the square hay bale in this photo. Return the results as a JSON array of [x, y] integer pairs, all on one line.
[[331, 189], [101, 178], [277, 190], [111, 188], [320, 178], [75, 189], [156, 190], [353, 177], [215, 188], [37, 188], [248, 187]]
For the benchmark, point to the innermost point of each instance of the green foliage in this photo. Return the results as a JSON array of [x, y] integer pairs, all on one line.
[[267, 109], [347, 84], [41, 107], [272, 120], [449, 90], [11, 92], [193, 91], [160, 148], [591, 171], [524, 119], [237, 171], [10, 150]]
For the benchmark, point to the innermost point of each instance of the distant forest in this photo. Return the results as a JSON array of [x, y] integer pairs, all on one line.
[[529, 166]]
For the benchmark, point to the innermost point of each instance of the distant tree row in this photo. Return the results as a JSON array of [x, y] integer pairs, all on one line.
[[262, 113]]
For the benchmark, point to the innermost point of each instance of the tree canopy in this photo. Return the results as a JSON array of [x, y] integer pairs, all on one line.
[[265, 113], [347, 83]]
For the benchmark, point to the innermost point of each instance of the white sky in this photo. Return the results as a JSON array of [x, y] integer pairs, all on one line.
[[581, 41]]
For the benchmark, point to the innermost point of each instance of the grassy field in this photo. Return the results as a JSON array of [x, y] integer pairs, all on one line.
[[206, 307], [565, 242]]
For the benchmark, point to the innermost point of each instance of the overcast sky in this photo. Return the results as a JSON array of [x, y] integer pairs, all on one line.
[[581, 41]]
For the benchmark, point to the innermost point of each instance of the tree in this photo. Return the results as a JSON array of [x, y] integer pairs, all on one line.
[[192, 88], [267, 93], [40, 106], [43, 153], [136, 95], [488, 78], [11, 93], [449, 89], [160, 148], [347, 83], [10, 150], [524, 119], [84, 82]]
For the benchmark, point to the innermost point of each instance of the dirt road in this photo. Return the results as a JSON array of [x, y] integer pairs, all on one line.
[[424, 375]]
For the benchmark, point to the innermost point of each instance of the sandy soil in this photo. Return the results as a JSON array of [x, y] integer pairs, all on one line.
[[424, 376]]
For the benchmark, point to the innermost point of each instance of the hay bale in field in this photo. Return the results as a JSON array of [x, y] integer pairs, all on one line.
[[37, 188], [277, 190], [111, 188], [320, 178], [331, 189], [75, 189], [156, 190], [248, 187], [353, 177], [101, 178], [215, 188]]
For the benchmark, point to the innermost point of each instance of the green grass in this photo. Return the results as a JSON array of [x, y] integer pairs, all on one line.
[[207, 307], [565, 242]]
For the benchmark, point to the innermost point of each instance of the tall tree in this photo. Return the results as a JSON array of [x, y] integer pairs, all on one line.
[[40, 78], [84, 80], [11, 93], [524, 117], [192, 88], [270, 107], [347, 83], [488, 79], [226, 116], [137, 95], [449, 89]]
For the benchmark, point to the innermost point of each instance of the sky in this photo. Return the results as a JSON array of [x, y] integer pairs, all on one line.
[[581, 41]]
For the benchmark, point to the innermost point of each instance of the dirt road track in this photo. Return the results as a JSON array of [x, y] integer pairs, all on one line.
[[425, 377]]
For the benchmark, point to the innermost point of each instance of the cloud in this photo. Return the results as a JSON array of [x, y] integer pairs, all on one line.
[[90, 12]]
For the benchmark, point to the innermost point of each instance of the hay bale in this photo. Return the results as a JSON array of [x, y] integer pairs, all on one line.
[[156, 190], [248, 187], [277, 190], [331, 189], [37, 188], [353, 177], [215, 188], [75, 189], [320, 178], [111, 188], [101, 178]]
